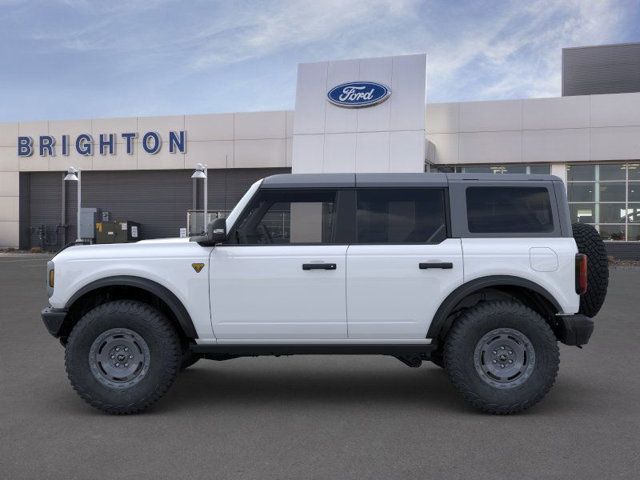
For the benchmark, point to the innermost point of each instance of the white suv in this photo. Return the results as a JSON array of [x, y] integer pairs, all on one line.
[[480, 274]]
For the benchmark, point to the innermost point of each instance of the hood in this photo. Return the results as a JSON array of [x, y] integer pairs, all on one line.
[[162, 247]]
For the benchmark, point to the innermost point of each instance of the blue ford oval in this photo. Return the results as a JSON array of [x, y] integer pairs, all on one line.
[[358, 94]]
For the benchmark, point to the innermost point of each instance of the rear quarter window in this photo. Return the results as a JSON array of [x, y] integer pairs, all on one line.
[[509, 210]]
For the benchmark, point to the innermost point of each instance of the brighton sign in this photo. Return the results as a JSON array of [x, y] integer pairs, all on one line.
[[104, 144], [358, 94]]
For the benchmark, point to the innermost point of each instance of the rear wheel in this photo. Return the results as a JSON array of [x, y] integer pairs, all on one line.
[[502, 357], [122, 356]]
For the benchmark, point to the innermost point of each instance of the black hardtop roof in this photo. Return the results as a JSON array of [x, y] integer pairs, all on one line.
[[345, 180]]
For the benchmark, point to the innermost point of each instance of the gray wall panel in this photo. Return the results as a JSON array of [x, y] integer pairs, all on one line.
[[24, 240], [601, 69], [41, 200], [158, 199]]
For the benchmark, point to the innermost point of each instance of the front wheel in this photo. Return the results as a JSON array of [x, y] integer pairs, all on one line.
[[502, 357], [122, 356]]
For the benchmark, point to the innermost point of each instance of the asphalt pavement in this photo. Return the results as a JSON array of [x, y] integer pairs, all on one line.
[[316, 417]]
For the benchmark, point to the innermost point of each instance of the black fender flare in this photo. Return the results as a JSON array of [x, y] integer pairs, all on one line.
[[154, 288], [439, 322]]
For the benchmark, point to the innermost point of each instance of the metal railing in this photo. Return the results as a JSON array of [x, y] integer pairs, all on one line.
[[195, 220]]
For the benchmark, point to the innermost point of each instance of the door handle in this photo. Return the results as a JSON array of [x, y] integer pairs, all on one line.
[[319, 266], [442, 265]]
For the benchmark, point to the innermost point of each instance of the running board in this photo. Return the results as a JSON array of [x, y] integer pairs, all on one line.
[[253, 350]]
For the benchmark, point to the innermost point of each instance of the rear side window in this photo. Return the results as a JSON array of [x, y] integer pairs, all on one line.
[[509, 210], [401, 216]]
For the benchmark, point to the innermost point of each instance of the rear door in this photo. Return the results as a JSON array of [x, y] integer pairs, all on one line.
[[402, 263]]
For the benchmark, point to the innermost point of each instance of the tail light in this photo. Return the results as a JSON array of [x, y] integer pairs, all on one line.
[[581, 274], [51, 277]]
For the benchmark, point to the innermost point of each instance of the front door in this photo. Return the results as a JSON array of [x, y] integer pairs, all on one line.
[[282, 274], [402, 264]]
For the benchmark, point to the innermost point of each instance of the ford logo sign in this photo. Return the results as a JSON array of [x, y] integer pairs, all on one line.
[[358, 94]]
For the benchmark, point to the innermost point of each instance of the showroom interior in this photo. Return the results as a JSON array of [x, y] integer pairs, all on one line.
[[139, 169]]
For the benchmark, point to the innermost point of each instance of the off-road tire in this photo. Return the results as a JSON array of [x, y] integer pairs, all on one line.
[[476, 323], [589, 242], [164, 356]]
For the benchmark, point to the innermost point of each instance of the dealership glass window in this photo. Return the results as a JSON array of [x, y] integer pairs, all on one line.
[[612, 232], [509, 210], [611, 191], [612, 212], [613, 171], [477, 169], [539, 169], [633, 213], [583, 212], [633, 171], [633, 233], [581, 173], [441, 168], [496, 169], [288, 217], [401, 216], [607, 196], [514, 168], [634, 192], [581, 192]]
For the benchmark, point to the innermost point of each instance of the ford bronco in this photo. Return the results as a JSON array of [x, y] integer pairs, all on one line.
[[482, 275]]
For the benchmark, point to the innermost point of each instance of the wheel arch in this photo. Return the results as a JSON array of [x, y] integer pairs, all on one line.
[[528, 292], [128, 286]]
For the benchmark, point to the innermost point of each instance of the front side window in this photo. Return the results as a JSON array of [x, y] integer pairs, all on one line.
[[286, 217], [401, 216], [509, 210]]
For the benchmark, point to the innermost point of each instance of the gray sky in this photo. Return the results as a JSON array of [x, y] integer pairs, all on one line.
[[64, 59]]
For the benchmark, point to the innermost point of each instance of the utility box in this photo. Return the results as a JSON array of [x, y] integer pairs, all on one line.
[[119, 231], [88, 219], [106, 232], [128, 231]]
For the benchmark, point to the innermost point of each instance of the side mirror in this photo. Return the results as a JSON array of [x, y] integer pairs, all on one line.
[[217, 231]]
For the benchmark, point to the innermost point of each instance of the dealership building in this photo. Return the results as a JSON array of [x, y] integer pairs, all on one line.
[[363, 115]]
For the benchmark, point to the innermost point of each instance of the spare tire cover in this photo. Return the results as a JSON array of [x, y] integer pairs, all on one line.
[[589, 242]]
